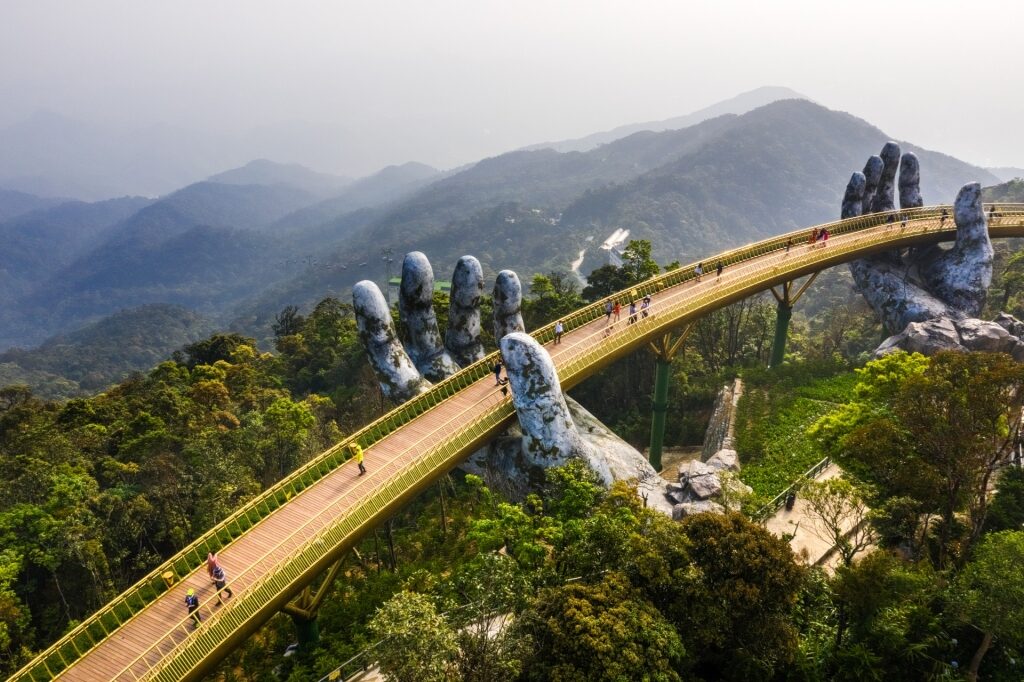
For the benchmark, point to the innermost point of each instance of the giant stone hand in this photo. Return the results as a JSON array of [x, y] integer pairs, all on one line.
[[928, 298], [552, 428]]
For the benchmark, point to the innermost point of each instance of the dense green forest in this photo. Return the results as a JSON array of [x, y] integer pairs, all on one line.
[[101, 489]]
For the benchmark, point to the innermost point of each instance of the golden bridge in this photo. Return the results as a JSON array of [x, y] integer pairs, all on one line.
[[281, 541]]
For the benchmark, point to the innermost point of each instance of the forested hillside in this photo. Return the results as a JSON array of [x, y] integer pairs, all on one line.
[[101, 354]]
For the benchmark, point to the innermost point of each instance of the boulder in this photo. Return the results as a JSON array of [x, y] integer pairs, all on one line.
[[700, 479], [984, 336], [1010, 324], [927, 338], [724, 460], [681, 511]]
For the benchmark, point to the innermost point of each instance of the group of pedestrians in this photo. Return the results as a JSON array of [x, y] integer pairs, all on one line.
[[819, 235], [698, 270], [219, 578]]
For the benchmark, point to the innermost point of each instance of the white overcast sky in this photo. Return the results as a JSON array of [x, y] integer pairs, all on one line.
[[491, 76]]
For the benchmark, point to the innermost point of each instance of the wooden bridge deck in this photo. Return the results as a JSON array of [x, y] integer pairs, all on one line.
[[135, 648]]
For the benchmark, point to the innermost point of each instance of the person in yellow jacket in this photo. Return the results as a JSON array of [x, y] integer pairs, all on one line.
[[357, 453]]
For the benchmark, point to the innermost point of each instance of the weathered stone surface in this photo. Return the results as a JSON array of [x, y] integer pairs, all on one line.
[[853, 200], [700, 479], [883, 199], [550, 437], [724, 460], [910, 182], [681, 511], [961, 275], [416, 302], [399, 379], [462, 339], [947, 285], [1010, 324], [508, 301], [872, 176], [677, 494], [1018, 352], [984, 336], [927, 338], [895, 299]]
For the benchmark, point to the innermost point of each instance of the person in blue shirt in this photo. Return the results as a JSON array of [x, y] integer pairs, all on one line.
[[192, 602]]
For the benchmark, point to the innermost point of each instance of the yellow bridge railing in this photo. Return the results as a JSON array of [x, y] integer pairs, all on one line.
[[313, 547]]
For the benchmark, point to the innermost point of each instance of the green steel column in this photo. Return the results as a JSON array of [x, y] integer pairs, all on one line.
[[660, 407], [307, 630], [783, 313]]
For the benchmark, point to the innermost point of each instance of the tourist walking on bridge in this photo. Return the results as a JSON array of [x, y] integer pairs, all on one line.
[[699, 270], [608, 309], [218, 576], [632, 313], [357, 453], [497, 374], [617, 310], [645, 306], [559, 330], [720, 268], [192, 602]]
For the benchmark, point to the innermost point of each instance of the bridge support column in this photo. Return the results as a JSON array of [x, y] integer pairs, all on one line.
[[307, 631], [305, 608], [664, 350], [783, 313]]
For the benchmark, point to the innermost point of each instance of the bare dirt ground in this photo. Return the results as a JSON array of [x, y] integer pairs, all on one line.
[[671, 458]]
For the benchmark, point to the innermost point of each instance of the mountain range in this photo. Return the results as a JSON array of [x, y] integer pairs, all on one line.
[[242, 244]]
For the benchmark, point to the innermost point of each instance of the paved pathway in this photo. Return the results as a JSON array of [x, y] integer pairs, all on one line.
[[807, 542]]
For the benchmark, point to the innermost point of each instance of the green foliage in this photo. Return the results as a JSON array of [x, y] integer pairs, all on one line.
[[551, 296], [989, 593], [417, 644], [1007, 509], [602, 631], [99, 490], [772, 420], [735, 601]]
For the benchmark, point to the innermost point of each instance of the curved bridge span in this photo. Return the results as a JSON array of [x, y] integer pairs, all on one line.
[[277, 544]]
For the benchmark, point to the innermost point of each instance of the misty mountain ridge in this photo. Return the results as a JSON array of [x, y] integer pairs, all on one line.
[[692, 192], [740, 104], [243, 252], [14, 203], [267, 172], [1006, 173]]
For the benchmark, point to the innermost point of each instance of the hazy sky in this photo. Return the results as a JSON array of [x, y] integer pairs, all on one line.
[[450, 81]]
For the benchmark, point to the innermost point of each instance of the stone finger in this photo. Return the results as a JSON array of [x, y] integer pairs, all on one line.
[[462, 339], [398, 377], [910, 181], [550, 437], [853, 200], [872, 176], [883, 199], [508, 303], [416, 304], [962, 275]]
